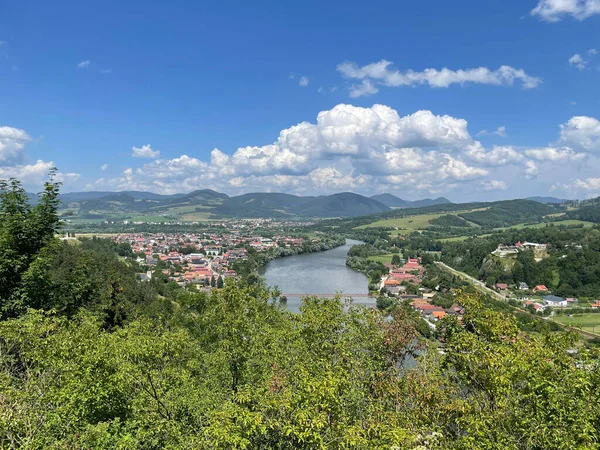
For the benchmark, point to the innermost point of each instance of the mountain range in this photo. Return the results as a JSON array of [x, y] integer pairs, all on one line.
[[206, 203]]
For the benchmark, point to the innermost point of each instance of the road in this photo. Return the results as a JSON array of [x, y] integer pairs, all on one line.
[[479, 285]]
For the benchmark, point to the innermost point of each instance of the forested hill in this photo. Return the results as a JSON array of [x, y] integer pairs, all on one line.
[[208, 203], [395, 202]]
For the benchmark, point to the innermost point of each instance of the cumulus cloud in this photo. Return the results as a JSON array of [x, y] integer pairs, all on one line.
[[13, 162], [103, 167], [589, 184], [554, 154], [380, 73], [145, 151], [84, 64], [493, 185], [588, 187], [372, 149], [531, 170], [581, 133], [12, 145], [556, 10], [36, 174], [304, 81], [497, 156], [348, 147]]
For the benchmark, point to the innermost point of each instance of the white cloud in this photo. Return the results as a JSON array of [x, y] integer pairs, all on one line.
[[12, 145], [106, 71], [497, 156], [577, 61], [589, 184], [493, 185], [531, 170], [304, 81], [84, 64], [556, 10], [500, 131], [145, 151], [592, 52], [455, 169], [366, 87], [367, 149], [554, 154], [103, 167], [35, 174], [581, 133], [379, 72]]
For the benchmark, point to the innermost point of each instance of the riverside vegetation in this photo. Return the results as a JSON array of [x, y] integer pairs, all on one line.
[[92, 358]]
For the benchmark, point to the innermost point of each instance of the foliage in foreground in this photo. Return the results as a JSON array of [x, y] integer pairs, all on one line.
[[235, 371]]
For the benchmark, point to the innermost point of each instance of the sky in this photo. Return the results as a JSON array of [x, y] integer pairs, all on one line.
[[470, 100]]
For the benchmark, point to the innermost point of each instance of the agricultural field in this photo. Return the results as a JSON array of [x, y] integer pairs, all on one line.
[[585, 322], [565, 223]]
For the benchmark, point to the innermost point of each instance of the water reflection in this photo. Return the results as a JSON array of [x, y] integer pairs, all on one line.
[[317, 273]]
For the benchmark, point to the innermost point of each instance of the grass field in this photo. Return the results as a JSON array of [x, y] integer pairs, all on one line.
[[405, 223], [566, 223], [586, 322], [384, 259], [99, 235], [521, 226], [455, 239], [408, 224]]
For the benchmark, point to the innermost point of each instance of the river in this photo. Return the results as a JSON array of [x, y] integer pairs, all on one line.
[[317, 273]]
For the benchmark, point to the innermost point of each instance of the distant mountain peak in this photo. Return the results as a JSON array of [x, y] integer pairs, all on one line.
[[392, 201]]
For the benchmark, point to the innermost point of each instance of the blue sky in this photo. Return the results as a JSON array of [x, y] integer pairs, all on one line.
[[138, 95]]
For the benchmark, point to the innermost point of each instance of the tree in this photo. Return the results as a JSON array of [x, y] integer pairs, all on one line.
[[213, 281], [220, 282], [396, 260], [24, 232]]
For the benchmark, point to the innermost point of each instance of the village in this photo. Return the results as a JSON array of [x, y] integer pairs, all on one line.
[[404, 282], [203, 259]]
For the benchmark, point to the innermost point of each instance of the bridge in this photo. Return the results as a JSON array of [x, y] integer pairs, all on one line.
[[339, 294]]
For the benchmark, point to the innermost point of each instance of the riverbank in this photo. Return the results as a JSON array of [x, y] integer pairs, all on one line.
[[321, 274], [258, 260]]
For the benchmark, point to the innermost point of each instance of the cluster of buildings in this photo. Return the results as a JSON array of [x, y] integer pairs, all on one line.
[[198, 258], [411, 272], [504, 251], [433, 313]]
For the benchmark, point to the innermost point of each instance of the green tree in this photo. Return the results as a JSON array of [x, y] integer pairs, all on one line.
[[220, 282], [24, 232]]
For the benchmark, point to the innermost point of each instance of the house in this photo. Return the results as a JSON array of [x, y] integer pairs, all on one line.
[[438, 314], [555, 301], [536, 306], [523, 286], [145, 276], [501, 286], [571, 301], [595, 305], [540, 288]]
